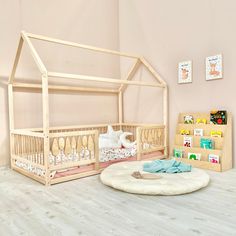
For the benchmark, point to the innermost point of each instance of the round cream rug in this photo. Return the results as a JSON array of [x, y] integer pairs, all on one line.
[[119, 176]]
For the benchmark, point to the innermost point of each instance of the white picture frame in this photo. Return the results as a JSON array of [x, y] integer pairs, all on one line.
[[185, 72], [214, 67]]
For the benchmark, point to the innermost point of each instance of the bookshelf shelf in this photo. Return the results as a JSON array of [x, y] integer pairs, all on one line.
[[223, 145]]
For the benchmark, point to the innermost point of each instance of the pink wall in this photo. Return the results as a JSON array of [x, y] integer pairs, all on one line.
[[167, 32], [88, 22], [164, 31]]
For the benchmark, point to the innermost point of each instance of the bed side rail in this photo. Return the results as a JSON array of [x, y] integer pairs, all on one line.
[[73, 149], [150, 139]]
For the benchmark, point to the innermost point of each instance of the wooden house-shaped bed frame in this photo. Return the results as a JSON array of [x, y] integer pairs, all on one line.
[[31, 149]]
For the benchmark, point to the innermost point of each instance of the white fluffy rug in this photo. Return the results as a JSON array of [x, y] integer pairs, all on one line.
[[119, 177]]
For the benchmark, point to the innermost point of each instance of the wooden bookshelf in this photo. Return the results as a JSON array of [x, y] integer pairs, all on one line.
[[223, 145]]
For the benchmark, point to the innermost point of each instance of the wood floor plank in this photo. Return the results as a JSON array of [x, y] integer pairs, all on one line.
[[86, 207]]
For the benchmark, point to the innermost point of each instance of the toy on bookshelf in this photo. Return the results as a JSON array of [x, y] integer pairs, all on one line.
[[216, 133], [206, 143], [194, 156], [213, 158], [198, 132], [185, 132], [188, 119], [201, 121], [187, 141], [178, 153], [218, 117]]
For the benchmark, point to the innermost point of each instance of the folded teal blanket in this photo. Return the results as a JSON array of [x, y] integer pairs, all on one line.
[[166, 166]]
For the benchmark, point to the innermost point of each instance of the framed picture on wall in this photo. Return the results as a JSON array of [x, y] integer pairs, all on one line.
[[185, 72], [214, 69]]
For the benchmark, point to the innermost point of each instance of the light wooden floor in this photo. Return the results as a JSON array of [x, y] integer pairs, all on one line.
[[87, 207]]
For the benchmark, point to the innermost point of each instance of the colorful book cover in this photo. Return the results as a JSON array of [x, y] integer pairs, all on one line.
[[188, 119], [218, 117], [198, 132], [185, 132], [216, 134], [206, 143], [178, 153], [187, 141], [213, 158], [194, 156], [201, 121]]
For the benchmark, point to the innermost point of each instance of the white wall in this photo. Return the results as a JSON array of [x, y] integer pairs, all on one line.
[[167, 32]]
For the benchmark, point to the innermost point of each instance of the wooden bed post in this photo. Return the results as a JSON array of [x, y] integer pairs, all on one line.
[[166, 119], [11, 97], [46, 146], [120, 108], [11, 120], [31, 143]]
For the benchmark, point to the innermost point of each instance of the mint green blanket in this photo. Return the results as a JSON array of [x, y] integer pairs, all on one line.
[[166, 166]]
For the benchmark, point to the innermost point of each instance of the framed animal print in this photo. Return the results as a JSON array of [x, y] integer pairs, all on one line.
[[214, 68], [185, 72]]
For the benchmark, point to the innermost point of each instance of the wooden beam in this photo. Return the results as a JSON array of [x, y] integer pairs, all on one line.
[[72, 44], [46, 145], [166, 119], [102, 79], [27, 132], [11, 119], [130, 74], [34, 54], [65, 88], [152, 71], [120, 107], [17, 57]]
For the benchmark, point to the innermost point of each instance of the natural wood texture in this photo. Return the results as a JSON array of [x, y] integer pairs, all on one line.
[[130, 74], [72, 44], [202, 164], [46, 145], [87, 207], [64, 88], [149, 139], [152, 71], [75, 176], [11, 115], [27, 132], [139, 143], [102, 79], [17, 57], [223, 145], [34, 54], [40, 152], [120, 107], [166, 119], [27, 161]]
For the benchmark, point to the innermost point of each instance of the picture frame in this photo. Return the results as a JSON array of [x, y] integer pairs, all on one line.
[[185, 72], [214, 67]]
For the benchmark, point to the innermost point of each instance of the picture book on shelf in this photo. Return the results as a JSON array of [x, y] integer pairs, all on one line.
[[184, 132], [194, 156], [218, 117], [178, 153], [201, 121], [198, 132], [188, 141], [206, 143], [216, 134], [213, 158], [188, 119]]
